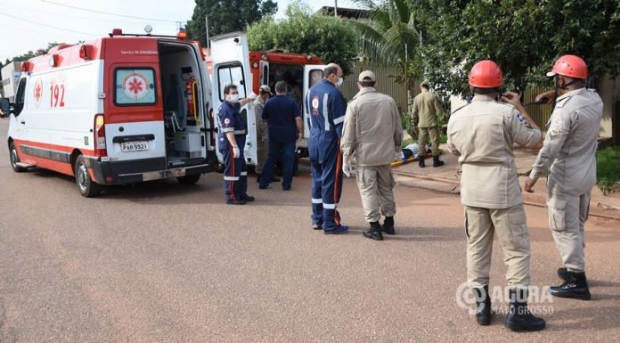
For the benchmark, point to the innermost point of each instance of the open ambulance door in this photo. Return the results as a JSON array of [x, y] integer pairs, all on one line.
[[312, 75], [231, 64]]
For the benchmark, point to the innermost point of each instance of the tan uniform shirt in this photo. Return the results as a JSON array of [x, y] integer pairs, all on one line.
[[482, 135], [426, 110], [569, 151], [261, 125], [372, 130]]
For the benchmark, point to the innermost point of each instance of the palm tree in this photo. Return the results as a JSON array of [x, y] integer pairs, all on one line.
[[391, 37]]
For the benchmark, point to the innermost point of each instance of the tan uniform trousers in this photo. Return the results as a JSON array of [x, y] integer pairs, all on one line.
[[567, 218], [376, 184], [423, 136], [511, 228], [262, 151]]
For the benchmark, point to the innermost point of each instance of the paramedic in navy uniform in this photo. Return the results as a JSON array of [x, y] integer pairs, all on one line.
[[326, 107], [231, 142]]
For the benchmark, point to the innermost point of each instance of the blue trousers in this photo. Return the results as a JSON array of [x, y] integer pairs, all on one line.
[[287, 152], [235, 175], [327, 187]]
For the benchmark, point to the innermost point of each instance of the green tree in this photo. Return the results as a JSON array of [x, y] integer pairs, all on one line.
[[391, 37], [227, 16], [524, 36], [331, 39]]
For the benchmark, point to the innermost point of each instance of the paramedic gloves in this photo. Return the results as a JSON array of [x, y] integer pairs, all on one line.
[[346, 166], [399, 156], [252, 96], [236, 152]]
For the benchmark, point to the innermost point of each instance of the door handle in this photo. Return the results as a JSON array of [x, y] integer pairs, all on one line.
[[23, 122]]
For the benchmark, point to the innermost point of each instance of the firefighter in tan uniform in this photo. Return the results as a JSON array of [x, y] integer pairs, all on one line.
[[373, 133], [482, 135], [425, 113], [569, 156]]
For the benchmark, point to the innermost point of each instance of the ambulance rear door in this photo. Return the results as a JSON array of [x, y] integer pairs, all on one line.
[[231, 65], [313, 73]]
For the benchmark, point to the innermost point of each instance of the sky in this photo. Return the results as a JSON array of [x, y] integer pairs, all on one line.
[[28, 25]]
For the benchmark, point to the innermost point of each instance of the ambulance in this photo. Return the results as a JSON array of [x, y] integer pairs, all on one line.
[[256, 68], [121, 109]]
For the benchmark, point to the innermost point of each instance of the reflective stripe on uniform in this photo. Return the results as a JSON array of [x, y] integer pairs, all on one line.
[[338, 120], [245, 173], [317, 201], [239, 132], [326, 112], [329, 206], [228, 129], [231, 178]]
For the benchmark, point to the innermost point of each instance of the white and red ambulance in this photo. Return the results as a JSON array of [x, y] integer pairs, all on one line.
[[121, 109]]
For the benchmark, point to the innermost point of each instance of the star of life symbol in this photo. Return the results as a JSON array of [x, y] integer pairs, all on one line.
[[315, 105], [38, 92], [135, 86]]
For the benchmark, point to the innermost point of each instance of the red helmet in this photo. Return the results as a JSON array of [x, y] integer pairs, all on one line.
[[486, 74], [571, 66]]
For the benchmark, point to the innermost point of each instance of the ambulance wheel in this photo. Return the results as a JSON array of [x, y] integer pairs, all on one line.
[[189, 180], [87, 187], [15, 159]]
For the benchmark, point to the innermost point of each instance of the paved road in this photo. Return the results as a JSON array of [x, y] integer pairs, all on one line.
[[164, 263]]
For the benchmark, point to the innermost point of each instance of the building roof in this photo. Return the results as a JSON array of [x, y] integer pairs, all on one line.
[[347, 13]]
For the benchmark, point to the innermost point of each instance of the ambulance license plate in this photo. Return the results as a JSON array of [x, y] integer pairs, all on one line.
[[134, 146]]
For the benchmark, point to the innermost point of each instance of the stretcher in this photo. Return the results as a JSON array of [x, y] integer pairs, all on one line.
[[413, 158]]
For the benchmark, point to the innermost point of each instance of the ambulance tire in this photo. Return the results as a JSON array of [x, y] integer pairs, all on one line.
[[15, 159], [189, 179], [87, 187]]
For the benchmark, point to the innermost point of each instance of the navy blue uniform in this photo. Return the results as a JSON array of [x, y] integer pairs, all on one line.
[[281, 113], [235, 169], [327, 108]]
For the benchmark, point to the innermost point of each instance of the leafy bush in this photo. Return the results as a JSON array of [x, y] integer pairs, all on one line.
[[608, 169]]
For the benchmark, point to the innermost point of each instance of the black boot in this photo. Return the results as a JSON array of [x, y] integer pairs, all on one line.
[[483, 305], [562, 273], [575, 287], [374, 232], [437, 162], [388, 225], [421, 161], [519, 317]]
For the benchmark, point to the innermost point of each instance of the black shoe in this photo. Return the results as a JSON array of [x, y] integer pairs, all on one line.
[[388, 226], [248, 198], [576, 287], [563, 273], [374, 232], [235, 202], [265, 187], [437, 162], [421, 161], [483, 305], [316, 226], [519, 317]]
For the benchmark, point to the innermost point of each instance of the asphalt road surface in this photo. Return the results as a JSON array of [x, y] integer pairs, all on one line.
[[161, 262]]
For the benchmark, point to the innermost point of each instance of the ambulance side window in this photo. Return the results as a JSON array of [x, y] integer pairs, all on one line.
[[228, 74], [20, 97], [134, 86], [316, 75]]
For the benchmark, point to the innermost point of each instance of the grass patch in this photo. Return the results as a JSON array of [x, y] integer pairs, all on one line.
[[608, 169]]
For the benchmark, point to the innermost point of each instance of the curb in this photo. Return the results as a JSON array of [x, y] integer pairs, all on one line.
[[597, 209]]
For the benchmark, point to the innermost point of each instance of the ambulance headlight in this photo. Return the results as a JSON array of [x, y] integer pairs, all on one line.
[[148, 29]]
